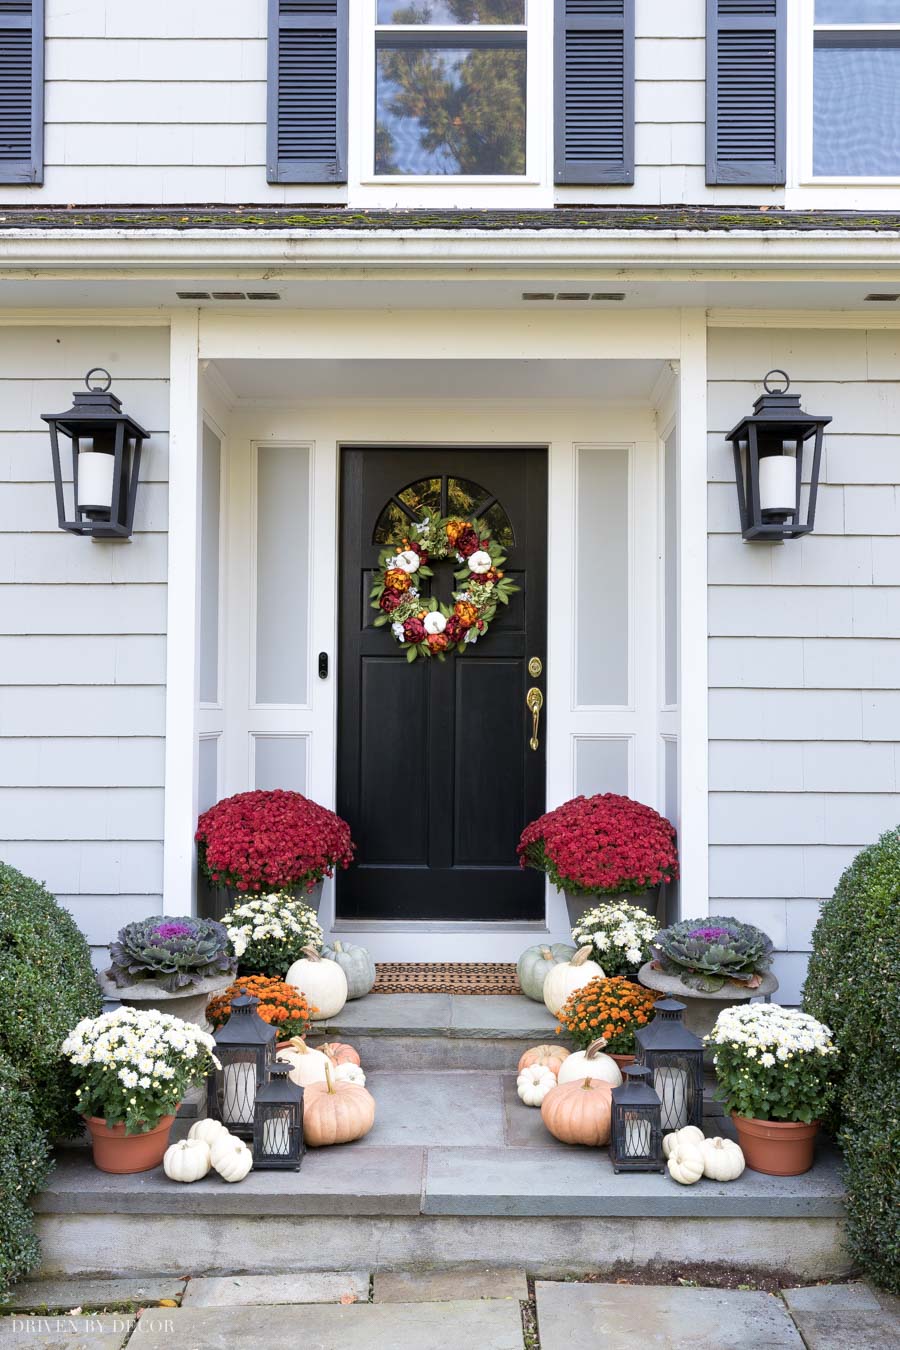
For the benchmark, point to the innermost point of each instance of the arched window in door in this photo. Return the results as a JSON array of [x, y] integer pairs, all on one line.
[[443, 495]]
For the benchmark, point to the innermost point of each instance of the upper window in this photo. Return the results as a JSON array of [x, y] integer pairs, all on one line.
[[856, 89], [450, 88]]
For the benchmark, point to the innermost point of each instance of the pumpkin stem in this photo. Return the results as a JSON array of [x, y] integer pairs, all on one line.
[[311, 954], [546, 954], [329, 1083], [581, 956], [595, 1047], [297, 1043], [337, 945], [587, 1084]]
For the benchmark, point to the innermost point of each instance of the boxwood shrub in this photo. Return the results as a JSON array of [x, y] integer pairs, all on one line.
[[46, 986], [854, 976], [24, 1164]]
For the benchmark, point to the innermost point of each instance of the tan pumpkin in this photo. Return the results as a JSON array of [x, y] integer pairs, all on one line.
[[568, 976], [336, 1113], [579, 1113], [307, 1066], [547, 1056], [339, 1053]]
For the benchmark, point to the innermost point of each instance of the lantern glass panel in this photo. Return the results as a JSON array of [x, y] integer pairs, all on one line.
[[278, 1123], [636, 1129], [245, 1046]]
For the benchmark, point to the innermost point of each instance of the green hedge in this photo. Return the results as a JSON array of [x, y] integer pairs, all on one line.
[[853, 984], [46, 986], [24, 1164]]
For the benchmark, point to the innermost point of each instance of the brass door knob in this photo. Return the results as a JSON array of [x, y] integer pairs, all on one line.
[[534, 701]]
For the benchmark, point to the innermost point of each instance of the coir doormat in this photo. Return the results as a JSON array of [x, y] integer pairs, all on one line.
[[445, 977]]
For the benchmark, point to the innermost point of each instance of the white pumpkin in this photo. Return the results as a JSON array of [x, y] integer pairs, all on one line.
[[186, 1161], [568, 976], [590, 1063], [307, 1066], [207, 1130], [723, 1160], [231, 1158], [348, 1073], [534, 1083], [686, 1163], [322, 981], [687, 1133]]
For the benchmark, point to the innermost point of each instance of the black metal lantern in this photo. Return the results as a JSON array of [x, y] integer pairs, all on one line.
[[278, 1122], [769, 449], [106, 461], [245, 1047], [674, 1057], [635, 1143]]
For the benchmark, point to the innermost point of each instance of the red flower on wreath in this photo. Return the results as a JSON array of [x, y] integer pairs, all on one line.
[[467, 542], [454, 630], [269, 841], [389, 601], [413, 630], [438, 642]]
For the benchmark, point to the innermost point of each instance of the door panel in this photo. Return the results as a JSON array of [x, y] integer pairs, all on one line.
[[435, 772]]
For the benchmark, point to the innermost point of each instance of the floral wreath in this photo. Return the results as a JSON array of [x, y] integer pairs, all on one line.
[[421, 625]]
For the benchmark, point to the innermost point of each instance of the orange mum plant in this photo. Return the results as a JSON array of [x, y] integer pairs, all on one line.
[[613, 1008], [280, 1004]]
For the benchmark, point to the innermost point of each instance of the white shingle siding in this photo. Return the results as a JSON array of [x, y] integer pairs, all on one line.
[[804, 653], [82, 639]]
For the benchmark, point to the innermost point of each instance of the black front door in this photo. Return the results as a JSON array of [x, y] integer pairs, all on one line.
[[436, 775]]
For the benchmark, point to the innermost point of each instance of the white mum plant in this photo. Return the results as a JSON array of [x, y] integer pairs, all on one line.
[[619, 933], [268, 934], [773, 1063]]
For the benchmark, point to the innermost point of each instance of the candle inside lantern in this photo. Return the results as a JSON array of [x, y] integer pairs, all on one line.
[[240, 1094], [672, 1088], [778, 483], [276, 1136], [637, 1137]]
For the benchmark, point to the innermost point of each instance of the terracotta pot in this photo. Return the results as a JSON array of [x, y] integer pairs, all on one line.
[[622, 1060], [116, 1151], [779, 1148]]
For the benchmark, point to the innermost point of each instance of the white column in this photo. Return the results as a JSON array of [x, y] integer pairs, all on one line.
[[182, 667], [693, 734]]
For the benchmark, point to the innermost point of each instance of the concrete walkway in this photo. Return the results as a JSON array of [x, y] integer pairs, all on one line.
[[469, 1308]]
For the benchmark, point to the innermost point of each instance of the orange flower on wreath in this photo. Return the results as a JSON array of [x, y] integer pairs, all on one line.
[[466, 612], [396, 580], [454, 530]]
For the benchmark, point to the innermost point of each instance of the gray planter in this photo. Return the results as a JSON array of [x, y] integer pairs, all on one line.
[[214, 901], [702, 1009], [188, 1004], [576, 905]]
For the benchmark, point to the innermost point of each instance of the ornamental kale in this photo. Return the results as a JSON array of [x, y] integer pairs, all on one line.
[[173, 953], [705, 953]]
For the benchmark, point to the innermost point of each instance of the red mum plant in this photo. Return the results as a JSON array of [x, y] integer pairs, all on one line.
[[271, 841], [603, 845]]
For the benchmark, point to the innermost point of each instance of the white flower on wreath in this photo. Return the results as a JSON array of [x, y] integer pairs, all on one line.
[[407, 561], [479, 562], [397, 630], [434, 622]]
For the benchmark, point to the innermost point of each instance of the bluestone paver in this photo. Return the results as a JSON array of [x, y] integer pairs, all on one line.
[[585, 1316], [437, 1286], [461, 1325], [859, 1329], [458, 1109], [483, 1015], [824, 1298], [313, 1286], [95, 1295], [411, 1014], [69, 1333]]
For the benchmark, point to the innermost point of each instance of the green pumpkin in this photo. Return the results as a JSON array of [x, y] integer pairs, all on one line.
[[535, 964], [357, 965]]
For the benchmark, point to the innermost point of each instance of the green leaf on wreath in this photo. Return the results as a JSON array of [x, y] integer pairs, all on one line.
[[412, 653]]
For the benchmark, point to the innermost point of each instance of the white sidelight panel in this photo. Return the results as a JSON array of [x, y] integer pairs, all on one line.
[[280, 762], [210, 507], [601, 765], [602, 575], [282, 574], [208, 773]]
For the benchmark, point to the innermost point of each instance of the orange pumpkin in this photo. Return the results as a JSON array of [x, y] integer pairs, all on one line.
[[579, 1112], [339, 1053], [548, 1056], [336, 1113]]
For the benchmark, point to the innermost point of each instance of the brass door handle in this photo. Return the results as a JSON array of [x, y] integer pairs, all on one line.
[[534, 701]]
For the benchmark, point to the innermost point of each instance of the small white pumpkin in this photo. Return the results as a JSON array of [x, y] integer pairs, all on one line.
[[231, 1158], [564, 978], [686, 1163], [590, 1063], [207, 1130], [187, 1161], [534, 1083], [307, 1066], [322, 981], [687, 1134], [348, 1073], [723, 1160]]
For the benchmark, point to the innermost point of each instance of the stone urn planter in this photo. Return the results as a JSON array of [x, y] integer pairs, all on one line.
[[576, 905], [188, 1004], [701, 1008]]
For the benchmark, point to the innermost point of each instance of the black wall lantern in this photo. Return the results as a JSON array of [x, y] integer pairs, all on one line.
[[769, 450], [106, 459]]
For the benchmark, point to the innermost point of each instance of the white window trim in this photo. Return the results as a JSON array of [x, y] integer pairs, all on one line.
[[805, 31], [461, 190]]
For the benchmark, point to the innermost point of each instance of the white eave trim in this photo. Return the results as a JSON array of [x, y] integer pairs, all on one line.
[[423, 253]]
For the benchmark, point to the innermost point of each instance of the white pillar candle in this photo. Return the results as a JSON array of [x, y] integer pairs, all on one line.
[[95, 480], [778, 483], [637, 1137], [240, 1094], [672, 1088], [276, 1136]]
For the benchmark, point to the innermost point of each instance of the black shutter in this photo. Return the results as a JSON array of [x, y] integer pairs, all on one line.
[[307, 98], [21, 91], [745, 91], [594, 91]]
